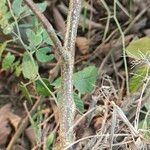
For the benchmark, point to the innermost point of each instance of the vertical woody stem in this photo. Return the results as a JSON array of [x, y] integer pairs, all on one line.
[[67, 105]]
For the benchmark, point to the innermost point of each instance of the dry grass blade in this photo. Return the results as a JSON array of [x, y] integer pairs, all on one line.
[[125, 120]]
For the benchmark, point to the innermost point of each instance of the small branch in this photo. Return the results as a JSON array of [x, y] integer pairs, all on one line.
[[48, 27], [67, 106], [72, 25]]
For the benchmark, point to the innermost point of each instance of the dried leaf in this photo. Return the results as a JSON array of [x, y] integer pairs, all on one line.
[[31, 135], [6, 118], [82, 44]]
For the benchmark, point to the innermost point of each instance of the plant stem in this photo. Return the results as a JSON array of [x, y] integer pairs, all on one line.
[[123, 46], [48, 27], [67, 106]]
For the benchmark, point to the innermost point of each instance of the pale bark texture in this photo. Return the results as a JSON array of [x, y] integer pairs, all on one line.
[[67, 104]]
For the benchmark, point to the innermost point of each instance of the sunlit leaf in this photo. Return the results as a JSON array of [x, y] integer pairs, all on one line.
[[2, 48], [139, 49], [49, 141], [137, 80], [18, 8]]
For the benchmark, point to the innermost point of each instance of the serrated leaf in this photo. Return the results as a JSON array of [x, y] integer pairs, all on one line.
[[17, 7], [79, 103], [8, 61], [46, 38], [29, 67], [25, 92], [84, 80], [33, 38], [43, 54], [139, 49], [49, 141], [27, 12], [41, 89]]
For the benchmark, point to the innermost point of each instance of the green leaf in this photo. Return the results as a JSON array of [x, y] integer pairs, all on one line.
[[17, 68], [49, 141], [33, 38], [8, 61], [57, 83], [79, 103], [136, 81], [25, 92], [147, 105], [42, 6], [46, 38], [2, 48], [41, 89], [139, 49], [17, 7], [8, 29], [29, 67], [43, 55], [84, 80]]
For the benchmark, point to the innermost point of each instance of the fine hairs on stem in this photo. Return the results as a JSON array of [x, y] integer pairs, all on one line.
[[67, 106]]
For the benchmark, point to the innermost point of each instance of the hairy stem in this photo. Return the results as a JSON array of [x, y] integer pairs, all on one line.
[[48, 27], [67, 105]]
